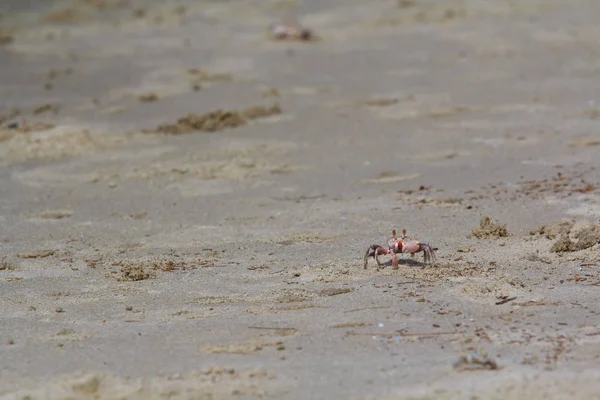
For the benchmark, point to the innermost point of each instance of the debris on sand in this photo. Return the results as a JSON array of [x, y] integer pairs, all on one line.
[[217, 120], [148, 97], [199, 77], [202, 76], [36, 254], [380, 102], [14, 113], [258, 112], [236, 348], [134, 272], [14, 123], [6, 263], [585, 142], [290, 30], [273, 92], [579, 236], [48, 107], [211, 122], [55, 214], [465, 249], [504, 300], [6, 39], [489, 230], [147, 267], [62, 16], [335, 291], [406, 3], [562, 185], [475, 361]]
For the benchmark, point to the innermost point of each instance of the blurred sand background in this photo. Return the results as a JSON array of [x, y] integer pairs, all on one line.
[[146, 253]]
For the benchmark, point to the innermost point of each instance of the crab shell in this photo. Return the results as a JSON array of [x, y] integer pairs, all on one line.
[[404, 246], [290, 30]]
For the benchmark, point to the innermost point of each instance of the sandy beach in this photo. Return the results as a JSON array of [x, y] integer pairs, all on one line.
[[186, 201]]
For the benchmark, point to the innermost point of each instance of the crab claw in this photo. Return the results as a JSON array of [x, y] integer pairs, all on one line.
[[374, 251]]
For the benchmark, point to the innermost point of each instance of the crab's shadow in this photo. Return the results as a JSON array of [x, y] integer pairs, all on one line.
[[406, 262]]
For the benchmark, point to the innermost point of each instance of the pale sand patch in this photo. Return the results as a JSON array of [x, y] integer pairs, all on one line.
[[55, 214], [215, 382], [585, 142], [439, 155], [69, 335], [238, 348], [58, 142], [392, 177], [513, 383]]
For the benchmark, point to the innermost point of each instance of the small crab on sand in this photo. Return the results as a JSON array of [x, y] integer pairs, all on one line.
[[401, 245], [290, 30]]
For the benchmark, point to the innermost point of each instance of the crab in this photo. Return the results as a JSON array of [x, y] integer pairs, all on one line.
[[290, 30], [401, 245]]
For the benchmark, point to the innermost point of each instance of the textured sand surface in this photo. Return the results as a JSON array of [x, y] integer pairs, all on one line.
[[221, 256]]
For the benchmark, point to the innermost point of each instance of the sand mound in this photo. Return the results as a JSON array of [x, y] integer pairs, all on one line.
[[489, 230], [554, 230], [571, 235], [581, 236], [217, 120]]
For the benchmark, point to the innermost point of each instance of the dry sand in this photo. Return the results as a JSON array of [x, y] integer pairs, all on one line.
[[139, 262]]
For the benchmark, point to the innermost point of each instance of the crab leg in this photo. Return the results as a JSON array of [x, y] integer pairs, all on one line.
[[428, 253], [414, 246], [394, 260], [374, 251]]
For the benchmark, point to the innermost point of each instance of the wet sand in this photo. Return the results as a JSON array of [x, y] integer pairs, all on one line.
[[186, 202]]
